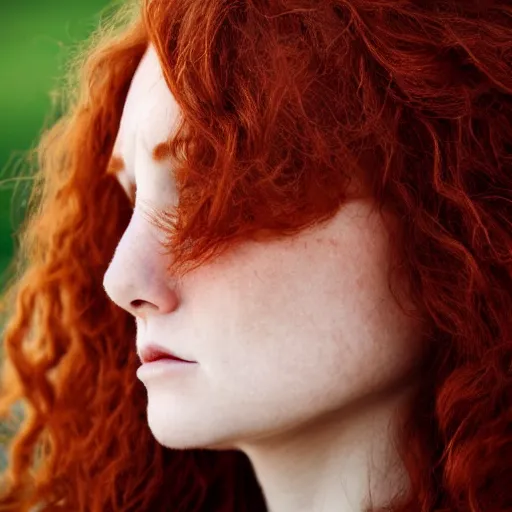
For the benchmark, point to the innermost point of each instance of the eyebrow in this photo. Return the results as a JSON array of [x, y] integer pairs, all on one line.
[[162, 151], [115, 165]]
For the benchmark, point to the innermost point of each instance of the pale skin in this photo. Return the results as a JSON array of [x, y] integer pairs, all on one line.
[[304, 360]]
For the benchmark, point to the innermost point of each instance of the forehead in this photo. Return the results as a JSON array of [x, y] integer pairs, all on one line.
[[150, 113]]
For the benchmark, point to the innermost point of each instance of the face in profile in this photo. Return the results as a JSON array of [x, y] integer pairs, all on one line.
[[284, 333]]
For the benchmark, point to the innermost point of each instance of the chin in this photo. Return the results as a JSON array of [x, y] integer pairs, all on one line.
[[183, 432]]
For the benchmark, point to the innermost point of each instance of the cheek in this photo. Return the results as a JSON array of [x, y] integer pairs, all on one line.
[[301, 325]]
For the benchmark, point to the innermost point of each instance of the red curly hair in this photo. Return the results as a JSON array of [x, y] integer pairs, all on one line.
[[283, 103]]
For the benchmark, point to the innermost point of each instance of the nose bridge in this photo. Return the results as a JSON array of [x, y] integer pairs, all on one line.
[[136, 279]]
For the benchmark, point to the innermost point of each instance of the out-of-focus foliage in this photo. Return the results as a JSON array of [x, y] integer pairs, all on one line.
[[35, 40]]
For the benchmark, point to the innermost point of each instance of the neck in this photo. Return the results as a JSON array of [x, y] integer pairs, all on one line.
[[343, 462]]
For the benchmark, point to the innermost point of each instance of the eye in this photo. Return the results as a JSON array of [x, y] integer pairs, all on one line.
[[127, 185], [131, 192]]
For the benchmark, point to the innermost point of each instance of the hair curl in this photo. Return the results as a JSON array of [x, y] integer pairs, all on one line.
[[283, 103]]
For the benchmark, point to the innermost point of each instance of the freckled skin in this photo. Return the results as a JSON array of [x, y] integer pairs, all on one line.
[[286, 333]]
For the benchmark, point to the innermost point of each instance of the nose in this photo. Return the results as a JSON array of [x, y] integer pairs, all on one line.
[[136, 279]]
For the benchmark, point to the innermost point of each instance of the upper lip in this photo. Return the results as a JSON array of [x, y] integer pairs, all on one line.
[[153, 352]]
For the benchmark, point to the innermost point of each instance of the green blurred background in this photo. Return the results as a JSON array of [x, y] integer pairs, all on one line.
[[35, 40]]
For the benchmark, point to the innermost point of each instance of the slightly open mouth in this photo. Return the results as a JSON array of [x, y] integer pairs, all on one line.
[[154, 353], [164, 356]]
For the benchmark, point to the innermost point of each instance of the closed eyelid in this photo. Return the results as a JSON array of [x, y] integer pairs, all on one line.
[[116, 166], [132, 191], [128, 187]]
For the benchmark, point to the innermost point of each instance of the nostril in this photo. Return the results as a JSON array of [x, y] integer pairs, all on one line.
[[138, 303]]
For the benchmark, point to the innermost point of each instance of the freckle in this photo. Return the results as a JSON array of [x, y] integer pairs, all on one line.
[[319, 240], [333, 242]]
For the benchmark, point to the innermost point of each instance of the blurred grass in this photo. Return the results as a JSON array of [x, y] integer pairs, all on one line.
[[34, 40]]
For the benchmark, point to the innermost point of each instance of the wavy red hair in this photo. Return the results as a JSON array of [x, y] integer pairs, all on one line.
[[284, 103]]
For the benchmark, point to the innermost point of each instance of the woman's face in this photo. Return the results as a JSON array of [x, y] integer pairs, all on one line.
[[283, 331]]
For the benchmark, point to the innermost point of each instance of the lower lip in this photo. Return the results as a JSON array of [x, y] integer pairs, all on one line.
[[163, 367]]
